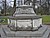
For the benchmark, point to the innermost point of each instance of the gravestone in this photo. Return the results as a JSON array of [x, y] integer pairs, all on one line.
[[25, 19], [25, 24]]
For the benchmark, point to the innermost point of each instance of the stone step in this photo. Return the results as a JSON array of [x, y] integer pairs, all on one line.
[[2, 33], [44, 36], [7, 32], [38, 33]]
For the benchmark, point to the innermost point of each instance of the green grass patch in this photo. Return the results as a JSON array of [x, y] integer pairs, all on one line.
[[46, 19], [3, 20]]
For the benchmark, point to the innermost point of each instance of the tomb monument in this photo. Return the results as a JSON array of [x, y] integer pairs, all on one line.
[[25, 24]]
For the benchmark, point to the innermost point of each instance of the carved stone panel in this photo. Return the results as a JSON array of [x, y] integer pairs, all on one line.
[[24, 23]]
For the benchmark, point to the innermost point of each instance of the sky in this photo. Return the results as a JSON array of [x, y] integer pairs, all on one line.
[[10, 4], [8, 1]]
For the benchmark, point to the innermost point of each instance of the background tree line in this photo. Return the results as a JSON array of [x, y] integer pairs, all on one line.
[[43, 9]]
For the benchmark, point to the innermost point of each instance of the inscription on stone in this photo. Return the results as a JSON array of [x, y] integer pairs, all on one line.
[[24, 23], [26, 10]]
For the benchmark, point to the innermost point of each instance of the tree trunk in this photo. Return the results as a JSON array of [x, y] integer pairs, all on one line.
[[4, 7], [14, 7]]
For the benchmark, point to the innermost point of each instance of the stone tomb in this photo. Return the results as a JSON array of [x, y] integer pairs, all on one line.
[[25, 24], [22, 19]]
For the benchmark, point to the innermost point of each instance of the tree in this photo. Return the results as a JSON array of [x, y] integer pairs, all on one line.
[[5, 8], [14, 7]]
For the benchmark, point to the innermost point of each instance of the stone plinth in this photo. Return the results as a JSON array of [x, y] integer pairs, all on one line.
[[25, 21], [41, 33]]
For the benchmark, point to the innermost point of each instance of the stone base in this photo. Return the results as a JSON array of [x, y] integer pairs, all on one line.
[[41, 33], [12, 28]]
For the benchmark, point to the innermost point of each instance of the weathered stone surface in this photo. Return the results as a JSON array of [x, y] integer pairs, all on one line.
[[8, 32], [2, 33], [39, 33], [24, 16], [24, 9], [45, 35]]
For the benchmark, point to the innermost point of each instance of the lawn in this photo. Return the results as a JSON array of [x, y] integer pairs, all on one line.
[[3, 20], [46, 19]]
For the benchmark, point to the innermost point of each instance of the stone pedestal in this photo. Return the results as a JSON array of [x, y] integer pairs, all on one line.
[[24, 19], [40, 33], [26, 23]]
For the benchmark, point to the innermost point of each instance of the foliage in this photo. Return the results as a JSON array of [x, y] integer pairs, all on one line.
[[43, 11]]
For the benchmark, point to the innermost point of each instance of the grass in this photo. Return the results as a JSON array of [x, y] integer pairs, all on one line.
[[46, 19], [3, 20]]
